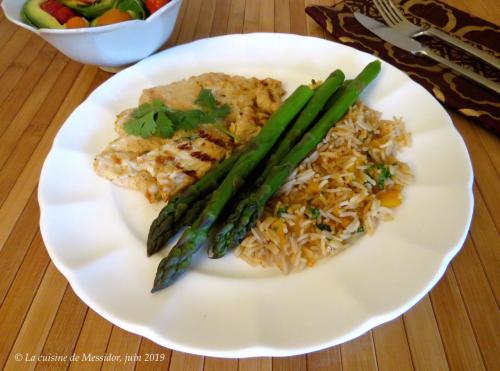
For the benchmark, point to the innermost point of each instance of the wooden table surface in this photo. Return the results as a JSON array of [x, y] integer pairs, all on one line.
[[456, 326]]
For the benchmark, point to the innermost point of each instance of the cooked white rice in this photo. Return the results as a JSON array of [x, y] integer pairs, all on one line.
[[350, 182]]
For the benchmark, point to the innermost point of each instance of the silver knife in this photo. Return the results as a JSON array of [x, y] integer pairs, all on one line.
[[413, 46]]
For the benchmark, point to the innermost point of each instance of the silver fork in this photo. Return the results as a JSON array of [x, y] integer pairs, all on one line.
[[396, 19]]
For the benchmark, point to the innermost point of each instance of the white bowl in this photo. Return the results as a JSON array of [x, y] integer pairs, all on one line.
[[114, 45]]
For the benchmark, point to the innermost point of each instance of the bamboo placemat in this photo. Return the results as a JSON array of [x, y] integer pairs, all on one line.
[[454, 327]]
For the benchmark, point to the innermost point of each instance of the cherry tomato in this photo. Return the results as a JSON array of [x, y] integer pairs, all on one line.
[[58, 11], [154, 5], [63, 14], [51, 6]]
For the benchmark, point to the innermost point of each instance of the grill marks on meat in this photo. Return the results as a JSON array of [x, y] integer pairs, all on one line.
[[162, 170], [186, 146], [191, 173], [160, 167], [202, 156], [212, 139]]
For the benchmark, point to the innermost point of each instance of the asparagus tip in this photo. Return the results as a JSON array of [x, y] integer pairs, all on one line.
[[150, 250], [213, 255], [160, 283], [158, 287]]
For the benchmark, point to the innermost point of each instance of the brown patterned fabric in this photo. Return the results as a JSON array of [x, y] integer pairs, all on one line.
[[453, 90]]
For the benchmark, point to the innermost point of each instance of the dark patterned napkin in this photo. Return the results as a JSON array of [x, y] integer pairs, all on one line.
[[453, 90]]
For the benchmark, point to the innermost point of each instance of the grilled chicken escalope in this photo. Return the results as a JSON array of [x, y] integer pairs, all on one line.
[[160, 167]]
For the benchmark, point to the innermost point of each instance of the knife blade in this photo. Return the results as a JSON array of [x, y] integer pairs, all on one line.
[[408, 44], [388, 34]]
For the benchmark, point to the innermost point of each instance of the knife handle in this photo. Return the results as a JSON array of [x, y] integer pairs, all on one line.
[[461, 70], [491, 60]]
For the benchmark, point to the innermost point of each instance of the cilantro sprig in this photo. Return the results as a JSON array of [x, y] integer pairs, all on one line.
[[156, 119]]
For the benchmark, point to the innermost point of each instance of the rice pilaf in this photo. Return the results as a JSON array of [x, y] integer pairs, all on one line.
[[350, 182]]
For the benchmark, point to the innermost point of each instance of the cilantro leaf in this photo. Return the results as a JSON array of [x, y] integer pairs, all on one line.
[[155, 118], [206, 100], [143, 126], [157, 105], [219, 113], [186, 120], [164, 126], [142, 110], [142, 123]]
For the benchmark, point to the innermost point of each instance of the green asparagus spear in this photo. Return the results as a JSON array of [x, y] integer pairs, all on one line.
[[194, 237], [306, 118], [193, 212], [253, 206], [335, 96], [170, 218], [303, 122]]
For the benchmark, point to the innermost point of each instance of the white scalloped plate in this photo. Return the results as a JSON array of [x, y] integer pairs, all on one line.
[[95, 232]]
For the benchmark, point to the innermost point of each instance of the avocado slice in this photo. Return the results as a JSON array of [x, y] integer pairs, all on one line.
[[37, 16], [26, 20], [89, 10]]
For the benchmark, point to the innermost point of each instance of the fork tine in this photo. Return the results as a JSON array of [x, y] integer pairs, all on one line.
[[384, 13], [394, 10]]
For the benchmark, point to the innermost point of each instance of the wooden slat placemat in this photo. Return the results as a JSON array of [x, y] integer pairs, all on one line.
[[455, 326]]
